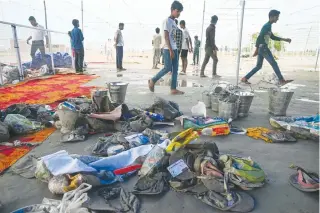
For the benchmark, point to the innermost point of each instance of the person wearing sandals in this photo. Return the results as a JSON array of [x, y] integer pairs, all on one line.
[[263, 51], [170, 51], [210, 48]]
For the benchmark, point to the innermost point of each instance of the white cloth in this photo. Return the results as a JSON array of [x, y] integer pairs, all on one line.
[[157, 41], [61, 162], [185, 36], [38, 35], [120, 41], [122, 159], [170, 26]]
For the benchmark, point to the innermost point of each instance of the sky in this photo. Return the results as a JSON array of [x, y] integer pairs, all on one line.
[[298, 21]]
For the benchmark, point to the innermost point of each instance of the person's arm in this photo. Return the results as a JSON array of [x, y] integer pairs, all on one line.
[[190, 41], [116, 38], [81, 35], [30, 37], [212, 35], [167, 40], [276, 38]]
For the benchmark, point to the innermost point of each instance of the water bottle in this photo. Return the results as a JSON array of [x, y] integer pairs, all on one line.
[[69, 106], [207, 131], [155, 116]]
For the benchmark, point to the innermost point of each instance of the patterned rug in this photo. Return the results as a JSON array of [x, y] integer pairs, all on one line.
[[46, 91], [50, 90]]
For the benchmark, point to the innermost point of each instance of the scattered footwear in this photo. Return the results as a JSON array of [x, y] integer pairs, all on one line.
[[305, 181], [284, 82]]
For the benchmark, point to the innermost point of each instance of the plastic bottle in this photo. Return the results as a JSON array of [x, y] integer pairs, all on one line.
[[69, 106], [199, 109], [222, 129], [155, 116]]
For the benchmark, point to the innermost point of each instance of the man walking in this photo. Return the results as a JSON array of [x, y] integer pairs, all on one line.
[[38, 40], [186, 46], [170, 52], [263, 51], [77, 45], [156, 42], [197, 44], [119, 47], [210, 48]]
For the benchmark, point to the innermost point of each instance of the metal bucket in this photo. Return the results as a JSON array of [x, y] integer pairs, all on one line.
[[206, 99], [117, 91], [214, 102], [245, 102], [228, 109], [279, 101]]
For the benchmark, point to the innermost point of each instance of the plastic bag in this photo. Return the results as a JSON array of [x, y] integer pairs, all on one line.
[[57, 183], [152, 160], [4, 132], [42, 173], [20, 124], [199, 109]]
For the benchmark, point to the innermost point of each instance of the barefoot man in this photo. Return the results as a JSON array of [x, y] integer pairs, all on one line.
[[264, 52], [170, 52]]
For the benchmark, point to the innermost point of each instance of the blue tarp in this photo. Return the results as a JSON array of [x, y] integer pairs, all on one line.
[[59, 60]]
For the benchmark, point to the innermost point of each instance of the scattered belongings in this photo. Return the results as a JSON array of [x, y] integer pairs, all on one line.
[[304, 180], [270, 136], [306, 127]]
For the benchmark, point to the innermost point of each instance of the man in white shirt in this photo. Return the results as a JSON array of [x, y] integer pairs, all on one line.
[[119, 43], [156, 42], [37, 39], [186, 46]]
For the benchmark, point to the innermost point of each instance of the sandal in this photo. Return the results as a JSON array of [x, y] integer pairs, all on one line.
[[305, 181], [176, 92], [151, 87]]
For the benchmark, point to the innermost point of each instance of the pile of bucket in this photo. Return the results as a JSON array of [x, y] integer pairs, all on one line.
[[233, 102]]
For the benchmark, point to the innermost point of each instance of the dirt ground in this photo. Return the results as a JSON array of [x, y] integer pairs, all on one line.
[[276, 196]]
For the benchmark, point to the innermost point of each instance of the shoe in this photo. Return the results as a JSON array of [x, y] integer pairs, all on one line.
[[216, 76], [122, 69], [203, 76], [176, 92], [182, 73], [284, 82], [245, 81]]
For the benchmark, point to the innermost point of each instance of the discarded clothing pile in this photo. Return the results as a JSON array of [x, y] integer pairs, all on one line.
[[270, 136], [10, 74], [59, 60], [306, 127]]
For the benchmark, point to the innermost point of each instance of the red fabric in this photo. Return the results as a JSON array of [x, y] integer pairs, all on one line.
[[127, 169]]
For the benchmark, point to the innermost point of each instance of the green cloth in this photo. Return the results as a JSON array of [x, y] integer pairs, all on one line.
[[265, 35]]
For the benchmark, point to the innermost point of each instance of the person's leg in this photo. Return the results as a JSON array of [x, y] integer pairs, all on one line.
[[81, 58], [174, 77], [184, 54], [194, 58], [158, 53], [269, 57], [42, 52], [214, 65], [154, 58], [33, 50], [77, 60], [117, 57], [121, 57], [197, 58], [204, 64], [256, 68], [167, 68]]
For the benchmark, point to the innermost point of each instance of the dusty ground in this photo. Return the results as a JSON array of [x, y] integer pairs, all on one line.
[[276, 196]]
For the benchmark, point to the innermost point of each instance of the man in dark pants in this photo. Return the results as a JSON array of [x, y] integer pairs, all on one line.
[[77, 45], [210, 48], [196, 51], [263, 51], [119, 47], [38, 40]]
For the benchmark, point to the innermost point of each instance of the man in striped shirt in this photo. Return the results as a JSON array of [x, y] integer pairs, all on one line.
[[178, 38]]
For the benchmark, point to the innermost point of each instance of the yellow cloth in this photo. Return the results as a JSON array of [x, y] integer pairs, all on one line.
[[182, 139], [256, 133]]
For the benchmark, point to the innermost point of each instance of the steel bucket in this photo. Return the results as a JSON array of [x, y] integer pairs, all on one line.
[[214, 102], [229, 109], [117, 91], [279, 101], [245, 102], [206, 99]]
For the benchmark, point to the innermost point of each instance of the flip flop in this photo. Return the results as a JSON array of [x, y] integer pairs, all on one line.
[[182, 73], [285, 82], [178, 92], [151, 88], [245, 82], [305, 181]]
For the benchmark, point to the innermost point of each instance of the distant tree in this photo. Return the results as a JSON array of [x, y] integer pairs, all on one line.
[[276, 45]]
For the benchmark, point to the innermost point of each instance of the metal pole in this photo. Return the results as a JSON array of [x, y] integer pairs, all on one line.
[[51, 53], [82, 16], [240, 40], [305, 47], [204, 9], [315, 67], [45, 13], [16, 46]]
